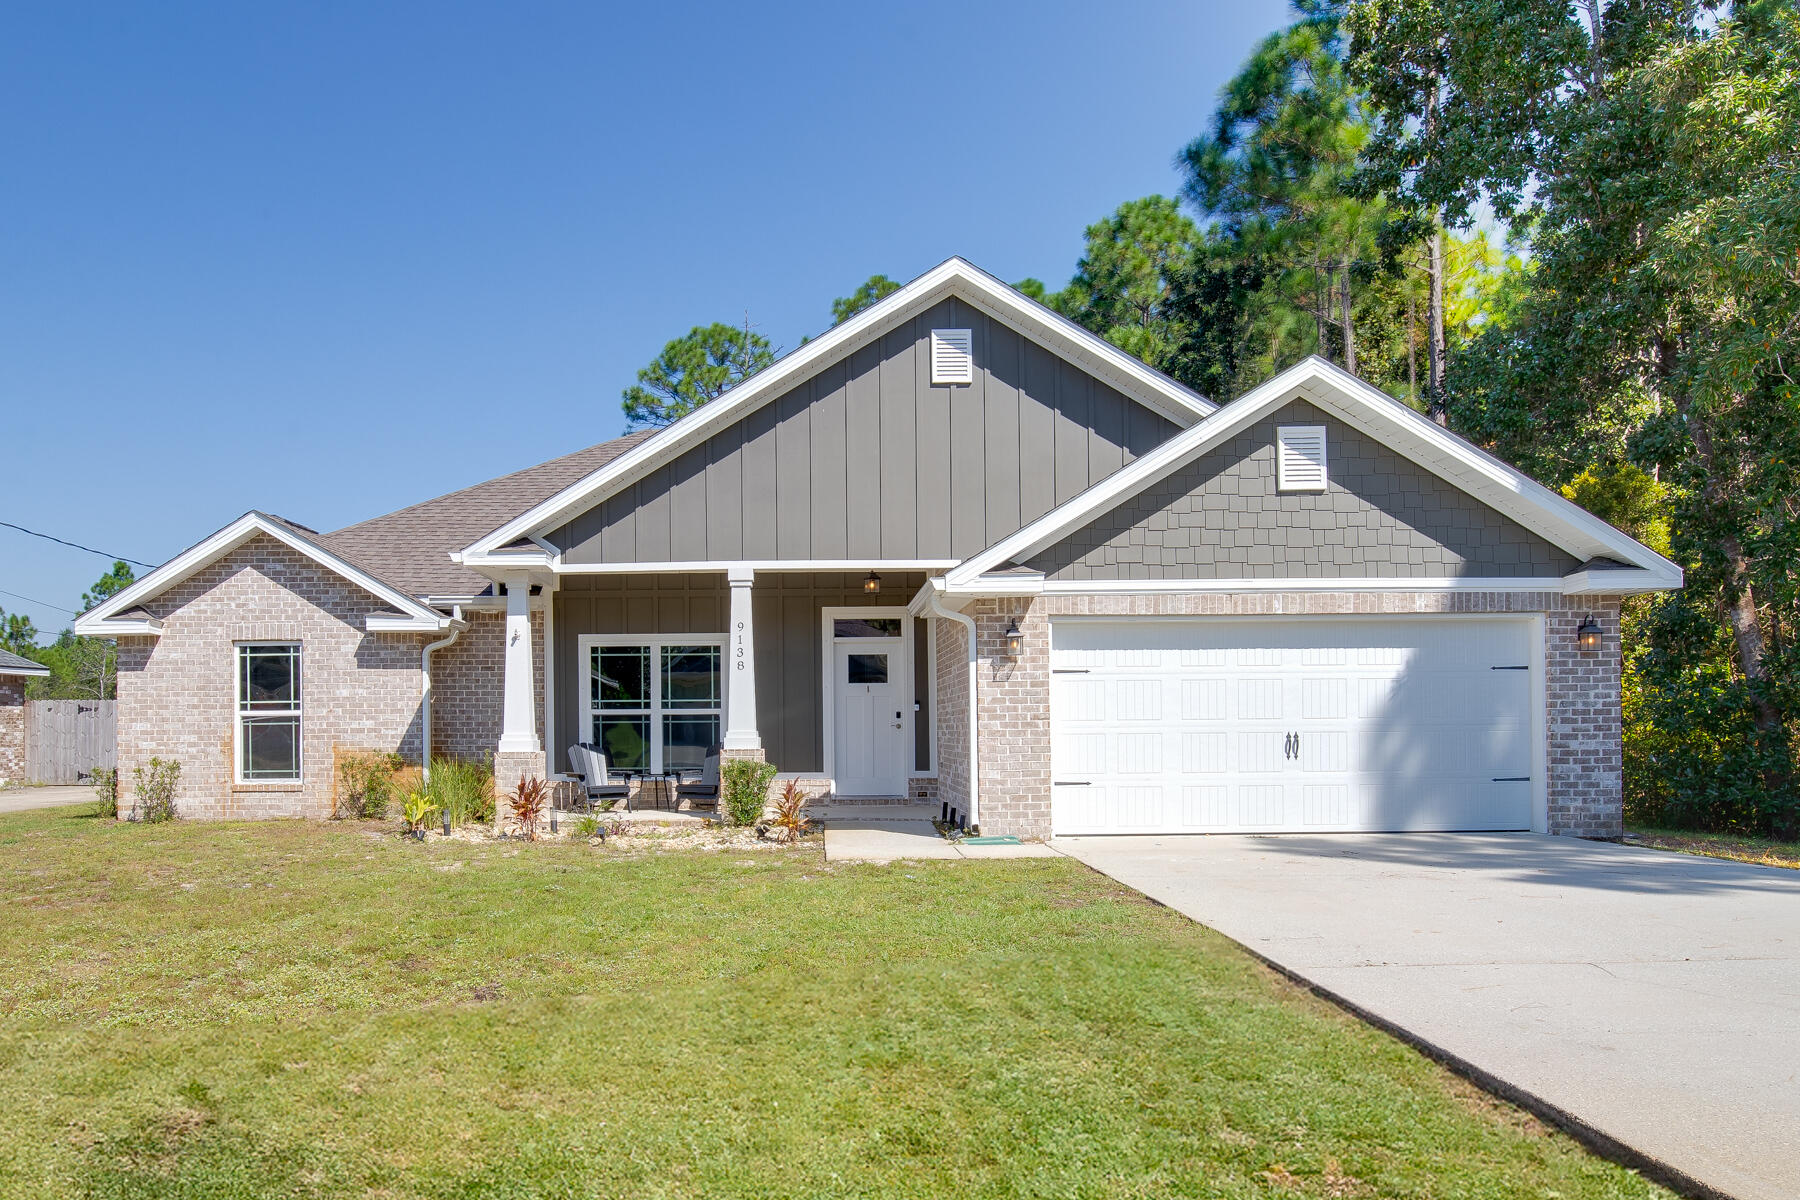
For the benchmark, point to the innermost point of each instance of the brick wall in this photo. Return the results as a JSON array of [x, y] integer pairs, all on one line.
[[468, 686], [358, 690], [1581, 692], [12, 728]]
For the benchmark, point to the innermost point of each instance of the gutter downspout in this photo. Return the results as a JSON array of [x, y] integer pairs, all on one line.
[[968, 623], [457, 625]]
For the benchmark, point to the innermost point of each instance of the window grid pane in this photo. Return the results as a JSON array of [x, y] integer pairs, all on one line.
[[269, 734]]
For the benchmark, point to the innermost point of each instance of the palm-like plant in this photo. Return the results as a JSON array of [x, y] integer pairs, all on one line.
[[528, 805], [790, 812]]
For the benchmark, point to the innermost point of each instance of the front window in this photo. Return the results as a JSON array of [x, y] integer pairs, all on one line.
[[656, 705], [268, 712]]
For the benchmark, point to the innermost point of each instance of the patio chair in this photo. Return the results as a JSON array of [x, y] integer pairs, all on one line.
[[590, 763], [704, 789]]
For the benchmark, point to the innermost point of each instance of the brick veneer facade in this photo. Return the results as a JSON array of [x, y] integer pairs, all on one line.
[[1582, 716], [468, 686], [12, 728]]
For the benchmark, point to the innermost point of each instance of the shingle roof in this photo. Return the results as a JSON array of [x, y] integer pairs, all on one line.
[[410, 548], [12, 664]]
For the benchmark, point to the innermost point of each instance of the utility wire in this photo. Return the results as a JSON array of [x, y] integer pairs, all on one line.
[[40, 603], [77, 545]]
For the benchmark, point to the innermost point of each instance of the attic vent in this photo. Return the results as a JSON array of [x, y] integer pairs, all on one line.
[[1300, 458], [952, 356]]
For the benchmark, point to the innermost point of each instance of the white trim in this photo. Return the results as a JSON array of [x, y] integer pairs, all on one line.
[[653, 707], [237, 713], [1379, 583], [1409, 434], [929, 626], [32, 672], [1540, 729], [1611, 581], [102, 621], [757, 564], [828, 680], [394, 623], [953, 277]]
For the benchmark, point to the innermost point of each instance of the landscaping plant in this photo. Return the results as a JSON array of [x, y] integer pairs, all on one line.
[[106, 787], [463, 789], [527, 803], [744, 789], [153, 798], [418, 811], [365, 784], [790, 813]]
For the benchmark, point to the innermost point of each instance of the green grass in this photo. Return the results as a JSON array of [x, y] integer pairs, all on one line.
[[1738, 847], [293, 1009]]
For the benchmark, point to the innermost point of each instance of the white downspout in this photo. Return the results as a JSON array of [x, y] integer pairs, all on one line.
[[457, 625], [968, 623]]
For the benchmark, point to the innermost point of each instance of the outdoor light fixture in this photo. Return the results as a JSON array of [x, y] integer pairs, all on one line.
[[1588, 634], [446, 822], [872, 584], [1015, 641]]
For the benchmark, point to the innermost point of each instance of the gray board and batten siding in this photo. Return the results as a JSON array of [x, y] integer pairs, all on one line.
[[868, 460], [789, 679], [1381, 516]]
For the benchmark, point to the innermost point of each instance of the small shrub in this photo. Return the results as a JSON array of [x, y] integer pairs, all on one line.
[[527, 804], [463, 789], [790, 813], [153, 798], [587, 826], [418, 811], [744, 787], [366, 784], [106, 787]]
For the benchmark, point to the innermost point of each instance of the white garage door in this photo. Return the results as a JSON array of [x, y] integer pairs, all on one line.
[[1228, 726]]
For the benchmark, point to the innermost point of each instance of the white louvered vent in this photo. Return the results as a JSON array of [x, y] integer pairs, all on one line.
[[952, 356], [1300, 458]]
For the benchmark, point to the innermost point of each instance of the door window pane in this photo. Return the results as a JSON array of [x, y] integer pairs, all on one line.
[[854, 627], [867, 668], [621, 677], [687, 739], [626, 741], [690, 676]]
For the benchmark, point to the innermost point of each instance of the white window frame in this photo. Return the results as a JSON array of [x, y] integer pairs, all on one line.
[[239, 712], [1282, 482], [828, 641], [587, 642]]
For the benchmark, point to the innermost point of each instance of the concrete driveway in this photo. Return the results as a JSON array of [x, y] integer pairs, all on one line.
[[20, 799], [1654, 997]]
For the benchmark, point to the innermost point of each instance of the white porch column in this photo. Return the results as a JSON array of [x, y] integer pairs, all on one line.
[[518, 722], [741, 736]]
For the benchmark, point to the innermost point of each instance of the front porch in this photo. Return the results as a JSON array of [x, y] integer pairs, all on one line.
[[823, 674]]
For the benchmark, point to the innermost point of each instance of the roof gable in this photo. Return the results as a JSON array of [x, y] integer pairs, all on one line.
[[115, 618], [1501, 487], [955, 278]]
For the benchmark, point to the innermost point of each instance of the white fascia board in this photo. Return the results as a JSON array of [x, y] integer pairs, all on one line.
[[1326, 386], [1371, 583], [953, 277], [758, 564], [103, 621], [396, 623], [118, 627], [1614, 582], [32, 672]]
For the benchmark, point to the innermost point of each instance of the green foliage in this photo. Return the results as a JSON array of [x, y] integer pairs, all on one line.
[[693, 370], [1126, 281], [18, 634], [463, 788], [744, 789], [106, 788], [153, 792], [365, 784], [417, 812], [587, 826], [108, 585], [871, 290]]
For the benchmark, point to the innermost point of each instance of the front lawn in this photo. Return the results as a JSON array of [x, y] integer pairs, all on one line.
[[293, 1009]]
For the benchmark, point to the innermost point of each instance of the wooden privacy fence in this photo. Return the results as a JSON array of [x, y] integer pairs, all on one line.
[[66, 739]]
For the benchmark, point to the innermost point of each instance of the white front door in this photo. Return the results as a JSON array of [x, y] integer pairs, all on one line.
[[868, 717]]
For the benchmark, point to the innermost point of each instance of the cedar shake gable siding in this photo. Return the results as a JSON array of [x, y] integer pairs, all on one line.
[[867, 460], [1382, 515]]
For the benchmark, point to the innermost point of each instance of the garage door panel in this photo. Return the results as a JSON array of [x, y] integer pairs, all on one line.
[[1243, 725]]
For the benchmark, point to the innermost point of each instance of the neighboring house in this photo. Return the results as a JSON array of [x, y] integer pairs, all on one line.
[[14, 671], [1311, 609]]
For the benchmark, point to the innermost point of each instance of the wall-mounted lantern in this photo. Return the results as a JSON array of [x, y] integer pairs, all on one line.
[[872, 584], [1588, 634], [1015, 641]]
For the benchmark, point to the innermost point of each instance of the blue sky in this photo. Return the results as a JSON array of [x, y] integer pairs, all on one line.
[[328, 260]]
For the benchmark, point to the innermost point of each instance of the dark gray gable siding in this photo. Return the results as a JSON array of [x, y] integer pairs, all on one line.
[[867, 460], [1220, 517]]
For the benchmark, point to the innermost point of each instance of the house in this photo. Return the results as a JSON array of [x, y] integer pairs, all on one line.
[[14, 671], [957, 550]]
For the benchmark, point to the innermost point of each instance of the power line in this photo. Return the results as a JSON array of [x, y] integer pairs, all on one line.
[[78, 546], [39, 603]]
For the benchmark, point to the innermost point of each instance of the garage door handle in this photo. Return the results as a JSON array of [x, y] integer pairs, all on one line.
[[1068, 670], [1073, 783], [1512, 779]]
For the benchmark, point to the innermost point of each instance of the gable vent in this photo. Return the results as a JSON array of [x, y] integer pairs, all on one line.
[[1300, 458], [952, 356]]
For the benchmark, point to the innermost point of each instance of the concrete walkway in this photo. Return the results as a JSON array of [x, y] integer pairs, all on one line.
[[1654, 997], [50, 796], [882, 837]]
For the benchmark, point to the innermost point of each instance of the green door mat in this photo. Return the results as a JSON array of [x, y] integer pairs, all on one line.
[[998, 839]]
